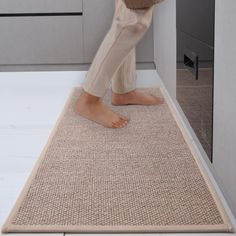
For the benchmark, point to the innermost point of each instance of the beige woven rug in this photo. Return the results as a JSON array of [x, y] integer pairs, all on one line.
[[141, 178]]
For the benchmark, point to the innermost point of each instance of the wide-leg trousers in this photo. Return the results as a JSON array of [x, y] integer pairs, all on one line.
[[115, 60]]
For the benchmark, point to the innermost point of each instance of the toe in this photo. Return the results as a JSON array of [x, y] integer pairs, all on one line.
[[158, 100], [116, 124], [121, 123], [124, 123], [124, 118]]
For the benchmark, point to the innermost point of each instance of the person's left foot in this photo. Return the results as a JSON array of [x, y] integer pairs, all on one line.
[[136, 98]]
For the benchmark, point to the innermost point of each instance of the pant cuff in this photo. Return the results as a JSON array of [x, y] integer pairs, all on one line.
[[126, 90], [94, 93]]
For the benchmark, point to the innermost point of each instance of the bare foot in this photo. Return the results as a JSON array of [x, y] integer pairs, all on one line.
[[92, 108], [135, 97]]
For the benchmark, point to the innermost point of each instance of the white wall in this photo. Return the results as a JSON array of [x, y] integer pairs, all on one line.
[[224, 146], [165, 43], [225, 98]]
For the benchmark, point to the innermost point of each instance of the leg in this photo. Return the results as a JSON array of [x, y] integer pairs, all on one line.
[[124, 80], [127, 29], [124, 85]]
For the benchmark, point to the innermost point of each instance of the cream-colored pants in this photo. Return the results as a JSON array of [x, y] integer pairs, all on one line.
[[115, 59]]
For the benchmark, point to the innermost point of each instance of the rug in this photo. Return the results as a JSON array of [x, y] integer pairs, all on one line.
[[140, 178]]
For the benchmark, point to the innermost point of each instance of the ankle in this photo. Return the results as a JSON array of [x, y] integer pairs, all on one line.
[[123, 94], [88, 98]]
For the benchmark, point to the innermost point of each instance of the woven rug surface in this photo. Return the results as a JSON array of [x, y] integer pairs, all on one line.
[[140, 178]]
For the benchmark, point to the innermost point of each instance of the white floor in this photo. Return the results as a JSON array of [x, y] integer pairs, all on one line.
[[30, 103]]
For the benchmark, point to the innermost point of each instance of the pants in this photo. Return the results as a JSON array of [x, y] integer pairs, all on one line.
[[115, 59]]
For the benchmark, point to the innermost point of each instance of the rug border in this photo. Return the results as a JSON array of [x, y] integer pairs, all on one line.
[[200, 165], [7, 227], [221, 228]]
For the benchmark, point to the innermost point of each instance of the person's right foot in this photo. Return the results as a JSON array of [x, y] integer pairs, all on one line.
[[98, 112]]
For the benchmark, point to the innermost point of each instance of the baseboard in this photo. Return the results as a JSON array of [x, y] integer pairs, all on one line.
[[64, 67], [198, 156]]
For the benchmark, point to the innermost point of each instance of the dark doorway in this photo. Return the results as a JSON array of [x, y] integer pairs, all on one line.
[[195, 66]]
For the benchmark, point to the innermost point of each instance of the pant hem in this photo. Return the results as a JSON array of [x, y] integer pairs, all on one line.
[[123, 91], [93, 92]]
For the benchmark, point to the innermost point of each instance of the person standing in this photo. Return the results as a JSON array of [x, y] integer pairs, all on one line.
[[115, 61]]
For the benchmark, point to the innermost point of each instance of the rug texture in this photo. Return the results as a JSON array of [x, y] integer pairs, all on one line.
[[140, 178]]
